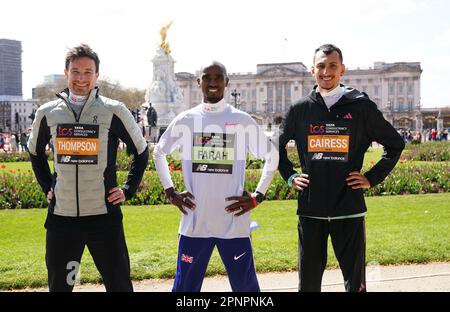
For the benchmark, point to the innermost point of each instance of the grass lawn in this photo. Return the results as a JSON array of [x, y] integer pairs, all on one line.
[[20, 166], [400, 229]]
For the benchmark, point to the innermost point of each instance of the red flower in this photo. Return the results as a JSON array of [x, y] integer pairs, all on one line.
[[3, 166]]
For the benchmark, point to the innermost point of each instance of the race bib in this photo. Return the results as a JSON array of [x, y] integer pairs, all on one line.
[[328, 141], [213, 153], [77, 144]]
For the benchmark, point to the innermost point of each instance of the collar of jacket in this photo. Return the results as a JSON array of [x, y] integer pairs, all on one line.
[[93, 95], [350, 95], [214, 107]]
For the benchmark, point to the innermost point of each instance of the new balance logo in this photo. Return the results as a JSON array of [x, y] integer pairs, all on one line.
[[317, 156], [66, 159], [348, 116], [202, 167]]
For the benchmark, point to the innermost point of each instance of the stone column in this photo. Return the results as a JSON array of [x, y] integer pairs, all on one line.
[[419, 122], [440, 121]]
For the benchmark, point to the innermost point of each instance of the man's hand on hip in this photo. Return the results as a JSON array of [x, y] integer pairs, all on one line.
[[243, 204], [357, 180], [301, 182], [181, 200], [116, 196], [50, 195]]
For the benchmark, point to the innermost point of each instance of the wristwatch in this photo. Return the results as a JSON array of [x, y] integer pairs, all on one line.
[[259, 197]]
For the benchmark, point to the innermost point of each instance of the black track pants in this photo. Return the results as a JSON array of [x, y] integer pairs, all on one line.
[[107, 247], [349, 244]]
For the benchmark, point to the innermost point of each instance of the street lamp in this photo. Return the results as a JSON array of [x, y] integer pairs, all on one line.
[[235, 94], [264, 104]]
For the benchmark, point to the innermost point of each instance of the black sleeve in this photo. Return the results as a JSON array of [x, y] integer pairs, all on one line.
[[39, 162], [287, 133], [382, 132], [139, 162]]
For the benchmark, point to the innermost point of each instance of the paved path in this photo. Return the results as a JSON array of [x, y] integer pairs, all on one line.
[[431, 277]]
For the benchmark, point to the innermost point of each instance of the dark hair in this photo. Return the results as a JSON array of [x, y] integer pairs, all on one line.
[[328, 49], [215, 64], [83, 50]]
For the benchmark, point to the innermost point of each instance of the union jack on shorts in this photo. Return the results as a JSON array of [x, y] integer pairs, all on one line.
[[187, 259]]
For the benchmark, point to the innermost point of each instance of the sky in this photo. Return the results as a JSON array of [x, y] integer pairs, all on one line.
[[239, 33]]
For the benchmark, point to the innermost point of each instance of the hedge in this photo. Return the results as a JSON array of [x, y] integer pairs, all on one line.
[[22, 191], [430, 151]]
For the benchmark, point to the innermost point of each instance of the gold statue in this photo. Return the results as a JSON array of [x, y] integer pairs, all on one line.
[[163, 32]]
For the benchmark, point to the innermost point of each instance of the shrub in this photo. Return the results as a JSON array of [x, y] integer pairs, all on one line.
[[429, 151], [409, 178], [19, 157], [22, 190]]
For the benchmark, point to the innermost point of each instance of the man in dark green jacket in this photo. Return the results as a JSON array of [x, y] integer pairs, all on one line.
[[333, 127]]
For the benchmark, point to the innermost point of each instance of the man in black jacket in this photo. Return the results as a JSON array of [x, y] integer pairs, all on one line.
[[333, 127]]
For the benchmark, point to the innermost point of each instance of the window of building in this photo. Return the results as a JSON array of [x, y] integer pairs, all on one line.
[[306, 90], [400, 105], [253, 107], [270, 91], [410, 89], [400, 88], [376, 90], [279, 92], [254, 94], [391, 89], [278, 107], [288, 91]]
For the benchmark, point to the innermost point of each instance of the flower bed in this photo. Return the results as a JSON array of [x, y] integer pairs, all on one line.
[[21, 190]]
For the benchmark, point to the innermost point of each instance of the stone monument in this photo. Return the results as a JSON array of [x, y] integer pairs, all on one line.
[[163, 93]]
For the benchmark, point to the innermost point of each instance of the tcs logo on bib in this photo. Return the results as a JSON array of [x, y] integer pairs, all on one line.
[[316, 129]]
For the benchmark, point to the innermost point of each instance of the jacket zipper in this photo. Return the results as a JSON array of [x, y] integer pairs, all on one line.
[[76, 168], [321, 100], [77, 120]]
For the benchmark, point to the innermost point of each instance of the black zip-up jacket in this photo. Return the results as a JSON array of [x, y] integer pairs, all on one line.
[[331, 143]]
